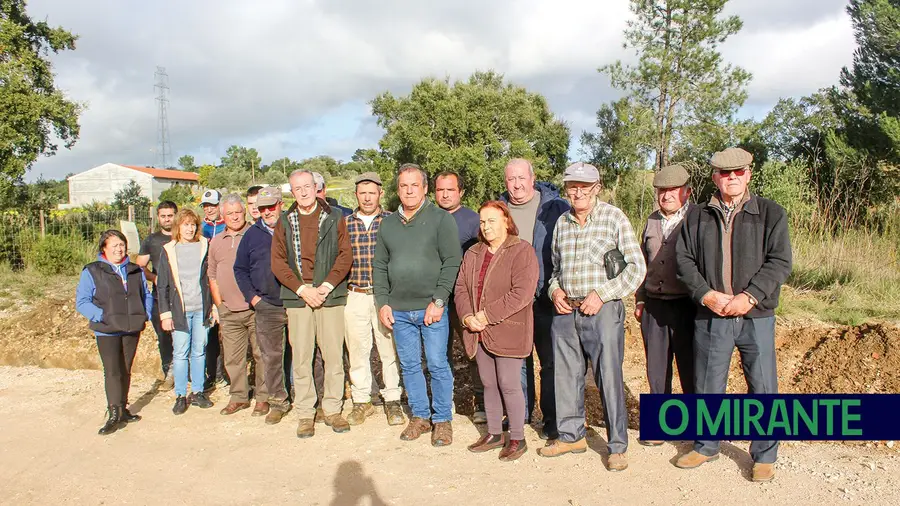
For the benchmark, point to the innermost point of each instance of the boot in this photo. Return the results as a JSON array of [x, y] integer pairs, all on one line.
[[114, 422], [127, 417]]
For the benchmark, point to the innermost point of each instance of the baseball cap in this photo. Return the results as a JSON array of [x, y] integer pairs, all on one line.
[[368, 177], [582, 172], [268, 196], [211, 197]]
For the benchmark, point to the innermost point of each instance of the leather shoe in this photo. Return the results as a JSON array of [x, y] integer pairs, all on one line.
[[617, 462], [763, 472], [693, 459], [415, 428], [261, 409], [306, 428], [234, 407], [515, 449], [180, 406], [275, 415], [127, 417], [559, 447], [337, 423], [442, 435], [487, 442]]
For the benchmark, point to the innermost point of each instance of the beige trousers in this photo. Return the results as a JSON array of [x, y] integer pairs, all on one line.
[[361, 323], [323, 326]]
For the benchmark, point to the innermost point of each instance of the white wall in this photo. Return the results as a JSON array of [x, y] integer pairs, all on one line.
[[100, 184]]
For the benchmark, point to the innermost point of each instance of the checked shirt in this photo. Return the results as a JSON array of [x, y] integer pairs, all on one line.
[[362, 243]]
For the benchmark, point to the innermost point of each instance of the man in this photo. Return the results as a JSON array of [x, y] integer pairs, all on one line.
[[237, 321], [320, 194], [149, 254], [261, 291], [733, 255], [449, 189], [361, 315], [213, 225], [311, 257], [417, 259], [535, 208], [252, 207], [590, 320], [662, 305]]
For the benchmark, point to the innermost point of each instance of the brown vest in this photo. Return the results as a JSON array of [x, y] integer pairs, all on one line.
[[661, 281]]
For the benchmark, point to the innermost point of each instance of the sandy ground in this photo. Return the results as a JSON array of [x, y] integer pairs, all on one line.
[[50, 453]]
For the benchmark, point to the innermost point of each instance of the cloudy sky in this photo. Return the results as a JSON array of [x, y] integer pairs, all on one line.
[[293, 77]]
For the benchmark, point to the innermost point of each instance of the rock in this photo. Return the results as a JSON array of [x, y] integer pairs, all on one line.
[[889, 444]]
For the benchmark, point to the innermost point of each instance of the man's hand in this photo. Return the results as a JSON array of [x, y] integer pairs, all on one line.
[[311, 296], [739, 306], [638, 311], [433, 314], [716, 301], [591, 304], [386, 316], [324, 290], [255, 300], [559, 301], [474, 324], [215, 314], [168, 325]]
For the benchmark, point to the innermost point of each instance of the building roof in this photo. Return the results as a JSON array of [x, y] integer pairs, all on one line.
[[166, 173]]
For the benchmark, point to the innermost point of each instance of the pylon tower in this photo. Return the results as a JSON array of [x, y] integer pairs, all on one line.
[[163, 146]]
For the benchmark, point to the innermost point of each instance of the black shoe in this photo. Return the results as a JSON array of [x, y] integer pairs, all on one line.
[[127, 417], [181, 405], [548, 433], [113, 423], [201, 400]]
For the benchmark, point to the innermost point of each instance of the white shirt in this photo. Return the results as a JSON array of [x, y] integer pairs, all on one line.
[[670, 222]]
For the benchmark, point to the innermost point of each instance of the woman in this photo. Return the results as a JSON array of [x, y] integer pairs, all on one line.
[[113, 295], [494, 292], [185, 306]]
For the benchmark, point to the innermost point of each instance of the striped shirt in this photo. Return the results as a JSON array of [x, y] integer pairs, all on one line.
[[578, 252], [362, 244]]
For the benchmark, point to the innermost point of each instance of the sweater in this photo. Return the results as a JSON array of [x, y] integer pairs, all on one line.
[[168, 282], [253, 266], [416, 261]]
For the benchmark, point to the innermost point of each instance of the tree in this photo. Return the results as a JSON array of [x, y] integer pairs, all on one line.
[[33, 113], [239, 158], [472, 127], [180, 194], [617, 147], [186, 163], [130, 195], [680, 75], [283, 166], [204, 172]]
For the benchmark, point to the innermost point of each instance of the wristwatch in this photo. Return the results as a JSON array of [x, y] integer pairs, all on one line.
[[439, 303], [753, 300]]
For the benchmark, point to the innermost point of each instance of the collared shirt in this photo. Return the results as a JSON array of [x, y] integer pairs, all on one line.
[[402, 214], [578, 254], [266, 227], [669, 223], [220, 267], [362, 243]]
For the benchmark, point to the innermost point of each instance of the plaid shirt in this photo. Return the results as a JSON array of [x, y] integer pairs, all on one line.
[[362, 244], [578, 252]]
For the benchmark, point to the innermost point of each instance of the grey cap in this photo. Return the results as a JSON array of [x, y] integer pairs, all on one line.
[[368, 177], [268, 196], [731, 159], [211, 197], [319, 180], [582, 172], [671, 176]]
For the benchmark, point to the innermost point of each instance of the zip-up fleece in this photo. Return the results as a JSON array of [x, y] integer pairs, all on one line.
[[171, 304], [114, 298]]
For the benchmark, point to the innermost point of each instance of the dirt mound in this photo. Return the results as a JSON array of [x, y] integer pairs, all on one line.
[[864, 359]]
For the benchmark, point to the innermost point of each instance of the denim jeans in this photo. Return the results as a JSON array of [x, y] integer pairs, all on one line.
[[193, 344], [410, 332]]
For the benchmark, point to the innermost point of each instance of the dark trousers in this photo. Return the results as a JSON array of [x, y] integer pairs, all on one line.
[[163, 338], [714, 343], [601, 340], [215, 359], [668, 330], [543, 344], [117, 355], [270, 324]]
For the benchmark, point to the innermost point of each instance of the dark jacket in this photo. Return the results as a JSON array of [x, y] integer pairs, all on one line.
[[506, 298], [761, 258], [111, 309], [169, 287], [552, 206], [333, 257], [253, 266], [661, 281]]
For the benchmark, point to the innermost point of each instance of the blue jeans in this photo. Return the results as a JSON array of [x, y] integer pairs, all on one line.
[[410, 332], [191, 343]]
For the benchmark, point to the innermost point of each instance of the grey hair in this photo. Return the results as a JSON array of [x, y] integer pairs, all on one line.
[[298, 172], [232, 198], [319, 179], [517, 161], [409, 167]]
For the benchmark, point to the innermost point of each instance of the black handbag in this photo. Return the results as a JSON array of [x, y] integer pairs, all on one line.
[[614, 262]]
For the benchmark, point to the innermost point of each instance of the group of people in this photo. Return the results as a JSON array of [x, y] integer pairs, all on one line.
[[316, 290]]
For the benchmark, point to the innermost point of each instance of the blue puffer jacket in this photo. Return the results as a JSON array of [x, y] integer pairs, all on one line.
[[551, 208]]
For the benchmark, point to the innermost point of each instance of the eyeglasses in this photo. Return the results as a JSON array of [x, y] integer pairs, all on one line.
[[584, 190], [263, 209], [736, 172]]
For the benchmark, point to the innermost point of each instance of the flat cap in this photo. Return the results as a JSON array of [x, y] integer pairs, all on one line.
[[368, 177], [582, 172], [671, 176], [730, 159]]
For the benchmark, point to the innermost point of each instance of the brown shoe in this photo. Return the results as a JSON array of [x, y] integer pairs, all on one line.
[[486, 443], [617, 462], [276, 414], [763, 472], [337, 423], [693, 459], [559, 447], [416, 427], [234, 407], [360, 412], [261, 409], [442, 435], [320, 415], [515, 449], [394, 413], [306, 428]]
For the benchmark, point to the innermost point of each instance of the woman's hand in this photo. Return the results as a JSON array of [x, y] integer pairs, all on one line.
[[168, 325], [473, 324]]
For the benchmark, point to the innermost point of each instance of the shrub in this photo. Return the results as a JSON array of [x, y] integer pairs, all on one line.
[[56, 254], [179, 194]]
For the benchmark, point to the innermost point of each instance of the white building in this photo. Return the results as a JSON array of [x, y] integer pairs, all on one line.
[[101, 183]]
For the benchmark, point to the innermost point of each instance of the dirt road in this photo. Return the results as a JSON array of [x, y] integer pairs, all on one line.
[[50, 453]]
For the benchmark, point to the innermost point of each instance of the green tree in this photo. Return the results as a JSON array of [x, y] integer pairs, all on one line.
[[186, 163], [472, 127], [203, 174], [680, 75], [283, 166], [180, 194], [34, 115], [239, 158], [618, 146], [131, 195]]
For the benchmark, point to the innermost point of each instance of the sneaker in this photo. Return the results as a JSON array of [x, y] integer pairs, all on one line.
[[180, 406], [360, 412], [201, 400], [394, 412]]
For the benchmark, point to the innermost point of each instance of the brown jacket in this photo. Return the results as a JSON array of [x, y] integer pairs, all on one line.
[[509, 287]]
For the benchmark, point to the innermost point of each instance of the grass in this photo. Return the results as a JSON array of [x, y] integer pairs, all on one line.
[[25, 287]]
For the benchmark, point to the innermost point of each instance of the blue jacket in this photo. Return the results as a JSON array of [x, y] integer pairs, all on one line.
[[84, 294], [253, 266], [211, 230], [552, 206]]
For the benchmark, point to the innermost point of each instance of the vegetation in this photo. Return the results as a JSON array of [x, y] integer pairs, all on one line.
[[130, 195]]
